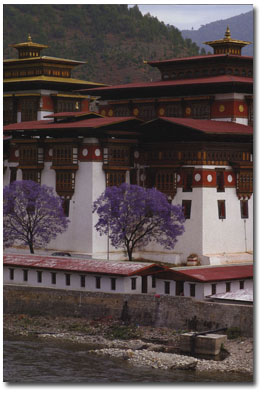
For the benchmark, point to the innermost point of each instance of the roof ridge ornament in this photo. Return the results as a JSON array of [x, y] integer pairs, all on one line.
[[29, 38], [227, 45]]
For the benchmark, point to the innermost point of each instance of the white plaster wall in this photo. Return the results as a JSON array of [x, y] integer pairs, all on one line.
[[198, 289], [128, 284], [191, 240], [61, 283], [230, 235], [160, 287]]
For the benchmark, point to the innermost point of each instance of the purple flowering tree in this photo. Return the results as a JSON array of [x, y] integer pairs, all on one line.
[[32, 214], [134, 216]]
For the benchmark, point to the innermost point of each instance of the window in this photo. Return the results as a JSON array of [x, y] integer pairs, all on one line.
[[9, 111], [82, 281], [187, 186], [221, 210], [67, 279], [11, 274], [13, 174], [98, 282], [153, 282], [63, 155], [28, 155], [241, 284], [179, 288], [115, 178], [65, 182], [34, 175], [228, 286], [29, 108], [220, 182], [66, 206], [25, 275], [133, 283], [192, 290], [39, 276], [113, 284], [167, 287], [244, 208], [53, 278], [186, 207], [213, 289], [166, 182]]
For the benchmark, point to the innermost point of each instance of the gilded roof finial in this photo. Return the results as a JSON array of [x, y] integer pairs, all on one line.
[[227, 33], [29, 38]]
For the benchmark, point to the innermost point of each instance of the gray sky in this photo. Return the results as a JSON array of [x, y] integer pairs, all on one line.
[[186, 16]]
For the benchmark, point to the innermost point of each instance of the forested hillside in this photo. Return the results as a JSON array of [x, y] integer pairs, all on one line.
[[241, 28], [114, 40]]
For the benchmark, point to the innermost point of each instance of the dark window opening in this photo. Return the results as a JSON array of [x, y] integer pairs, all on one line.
[[66, 206], [11, 274], [113, 284], [192, 290], [25, 275], [68, 279], [13, 174], [133, 282], [213, 289], [153, 282], [167, 287], [220, 181], [39, 276], [228, 286], [53, 278], [187, 186], [221, 210], [241, 284], [179, 288], [82, 281], [244, 208], [98, 282], [186, 207]]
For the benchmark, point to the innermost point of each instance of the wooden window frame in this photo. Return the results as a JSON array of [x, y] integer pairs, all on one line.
[[244, 209], [220, 181], [213, 287], [186, 207], [221, 209]]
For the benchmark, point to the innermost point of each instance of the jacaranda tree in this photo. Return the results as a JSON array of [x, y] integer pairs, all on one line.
[[134, 216], [32, 214]]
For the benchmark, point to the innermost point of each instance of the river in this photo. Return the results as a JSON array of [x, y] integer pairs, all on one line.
[[28, 360]]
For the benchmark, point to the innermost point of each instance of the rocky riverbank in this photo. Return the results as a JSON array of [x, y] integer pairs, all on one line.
[[139, 345]]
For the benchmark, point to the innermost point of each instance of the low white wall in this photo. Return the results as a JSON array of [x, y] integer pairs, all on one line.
[[123, 284]]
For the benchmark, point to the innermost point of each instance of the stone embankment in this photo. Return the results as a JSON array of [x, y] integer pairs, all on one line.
[[141, 346]]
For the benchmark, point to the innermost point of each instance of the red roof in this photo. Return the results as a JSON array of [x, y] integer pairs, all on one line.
[[208, 126], [221, 273], [79, 265], [176, 82], [195, 58], [85, 123]]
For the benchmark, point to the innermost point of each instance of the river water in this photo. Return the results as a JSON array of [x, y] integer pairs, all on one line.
[[34, 360]]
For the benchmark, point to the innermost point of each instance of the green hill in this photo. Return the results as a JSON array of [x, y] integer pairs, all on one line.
[[114, 40]]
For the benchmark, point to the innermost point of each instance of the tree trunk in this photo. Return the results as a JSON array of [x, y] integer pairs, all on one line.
[[129, 252], [31, 248]]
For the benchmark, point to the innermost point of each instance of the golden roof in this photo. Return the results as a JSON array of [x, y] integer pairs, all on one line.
[[28, 44], [45, 78], [227, 40]]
